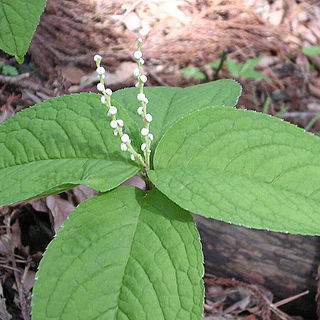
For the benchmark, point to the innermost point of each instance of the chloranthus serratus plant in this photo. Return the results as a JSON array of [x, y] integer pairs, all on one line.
[[136, 254]]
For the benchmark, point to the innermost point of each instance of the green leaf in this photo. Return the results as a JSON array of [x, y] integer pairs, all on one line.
[[233, 67], [8, 70], [194, 73], [215, 64], [59, 144], [252, 63], [18, 22], [312, 51], [253, 74], [129, 255], [242, 167], [167, 105]]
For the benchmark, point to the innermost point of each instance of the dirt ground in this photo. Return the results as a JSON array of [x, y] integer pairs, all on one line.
[[179, 34]]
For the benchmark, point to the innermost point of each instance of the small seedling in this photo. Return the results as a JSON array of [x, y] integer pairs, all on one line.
[[194, 73], [8, 70], [237, 70], [311, 51], [246, 70]]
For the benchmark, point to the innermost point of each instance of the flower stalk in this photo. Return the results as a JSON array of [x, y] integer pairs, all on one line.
[[142, 110], [116, 124]]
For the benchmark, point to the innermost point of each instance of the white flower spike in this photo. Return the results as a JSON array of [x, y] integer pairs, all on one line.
[[137, 55], [141, 97], [100, 86], [123, 147], [108, 91], [113, 124], [144, 31], [113, 110], [140, 110], [148, 117], [144, 131], [101, 70], [125, 138], [120, 123]]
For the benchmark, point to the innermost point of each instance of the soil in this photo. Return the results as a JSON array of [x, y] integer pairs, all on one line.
[[181, 34]]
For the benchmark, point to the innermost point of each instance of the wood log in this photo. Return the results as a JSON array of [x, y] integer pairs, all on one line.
[[283, 263]]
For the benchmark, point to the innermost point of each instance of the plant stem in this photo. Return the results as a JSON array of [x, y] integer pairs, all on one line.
[[223, 56]]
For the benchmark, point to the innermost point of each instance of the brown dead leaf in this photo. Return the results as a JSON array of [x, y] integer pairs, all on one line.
[[314, 90], [83, 193], [60, 209], [72, 74], [39, 205], [135, 181], [16, 235], [124, 72], [28, 280]]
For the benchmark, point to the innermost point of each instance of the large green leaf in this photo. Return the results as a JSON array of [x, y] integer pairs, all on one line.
[[167, 105], [242, 167], [58, 144], [18, 22], [122, 255]]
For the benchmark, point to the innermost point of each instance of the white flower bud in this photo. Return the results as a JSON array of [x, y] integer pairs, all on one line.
[[103, 99], [141, 61], [141, 97], [143, 147], [102, 76], [97, 58], [144, 31], [150, 135], [100, 70], [145, 100], [120, 122], [136, 72], [148, 117], [115, 132], [143, 78], [137, 85], [123, 147], [100, 86], [132, 157], [137, 55], [140, 40], [144, 131], [108, 91], [113, 110], [113, 124], [125, 138], [140, 110]]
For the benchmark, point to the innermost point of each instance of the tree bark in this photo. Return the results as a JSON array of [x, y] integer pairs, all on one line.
[[283, 263]]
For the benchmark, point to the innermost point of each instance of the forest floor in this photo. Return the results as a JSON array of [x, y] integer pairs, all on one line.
[[180, 34]]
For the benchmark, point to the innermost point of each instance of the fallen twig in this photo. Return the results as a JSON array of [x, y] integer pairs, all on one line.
[[14, 79]]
